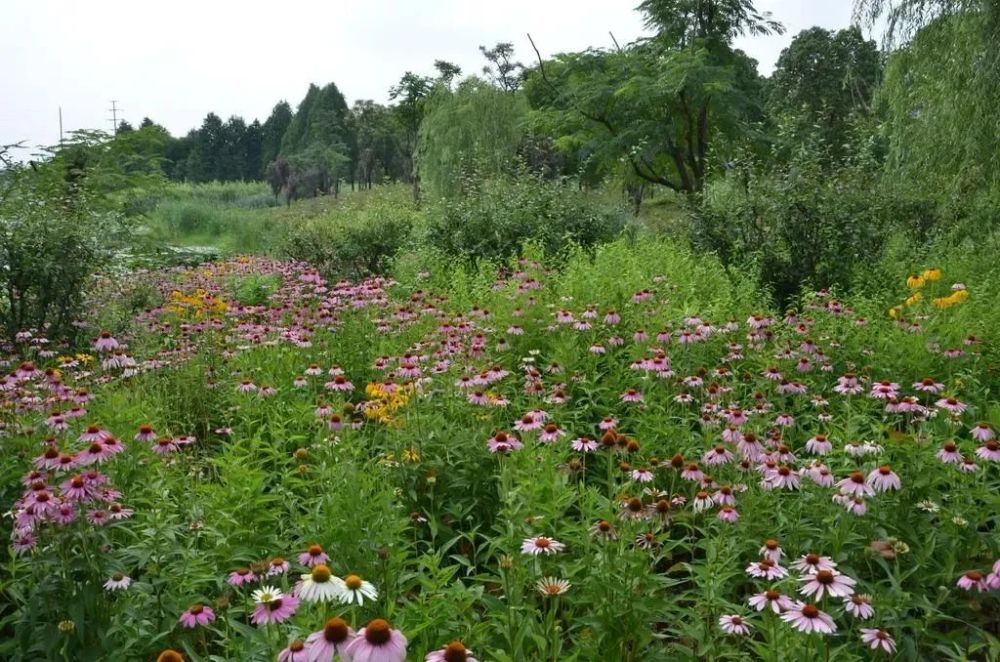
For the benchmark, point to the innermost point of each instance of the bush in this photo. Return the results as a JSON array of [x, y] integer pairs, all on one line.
[[498, 216], [53, 235], [353, 240]]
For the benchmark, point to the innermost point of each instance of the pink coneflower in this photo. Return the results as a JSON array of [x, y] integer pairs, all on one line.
[[783, 477], [502, 442], [808, 618], [64, 514], [855, 485], [541, 545], [692, 472], [584, 445], [885, 390], [728, 514], [993, 579], [145, 433], [241, 577], [277, 566], [164, 445], [272, 606], [550, 433], [105, 342], [819, 445], [928, 385], [859, 606], [376, 642], [117, 512], [612, 317], [784, 420], [631, 395], [982, 432], [604, 529], [990, 451], [951, 405], [848, 385], [77, 489], [92, 433], [718, 455], [98, 517], [827, 582], [772, 599], [813, 563], [117, 582], [313, 556], [771, 550], [198, 614], [876, 638], [884, 479], [453, 652], [702, 501], [246, 386], [968, 465], [642, 475], [327, 643], [297, 651], [734, 624], [528, 422], [339, 383], [973, 580], [608, 423]]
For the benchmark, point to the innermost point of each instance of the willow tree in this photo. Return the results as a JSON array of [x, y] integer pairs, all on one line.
[[941, 93], [469, 133]]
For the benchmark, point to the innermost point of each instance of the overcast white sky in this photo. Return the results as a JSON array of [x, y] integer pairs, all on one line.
[[176, 61]]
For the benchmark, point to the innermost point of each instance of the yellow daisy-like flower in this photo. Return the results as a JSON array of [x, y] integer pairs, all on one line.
[[914, 282], [932, 274], [914, 298], [411, 455]]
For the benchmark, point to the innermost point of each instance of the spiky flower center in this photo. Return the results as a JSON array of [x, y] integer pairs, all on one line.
[[352, 582], [320, 574], [336, 630], [455, 652], [378, 632], [810, 611]]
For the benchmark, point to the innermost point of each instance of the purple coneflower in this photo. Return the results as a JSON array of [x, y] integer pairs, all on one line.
[[453, 652], [327, 643], [876, 638], [734, 624], [541, 545], [197, 614], [808, 618], [272, 606], [241, 576], [973, 580], [775, 600], [117, 582], [884, 479], [813, 563], [827, 582], [313, 556], [859, 606], [297, 651], [376, 642]]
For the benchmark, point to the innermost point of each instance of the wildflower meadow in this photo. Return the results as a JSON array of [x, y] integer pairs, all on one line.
[[628, 458]]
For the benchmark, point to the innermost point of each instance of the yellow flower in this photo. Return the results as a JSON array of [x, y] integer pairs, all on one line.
[[914, 298], [943, 302], [894, 311], [960, 295], [914, 282], [932, 274], [85, 358], [411, 455]]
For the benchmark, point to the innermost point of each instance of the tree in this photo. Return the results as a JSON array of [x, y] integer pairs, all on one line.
[[447, 71], [502, 70], [658, 103], [940, 94], [823, 80], [477, 127], [410, 94], [273, 130]]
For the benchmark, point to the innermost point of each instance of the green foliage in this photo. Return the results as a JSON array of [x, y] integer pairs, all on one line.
[[57, 226], [475, 127], [357, 238], [822, 80], [497, 216]]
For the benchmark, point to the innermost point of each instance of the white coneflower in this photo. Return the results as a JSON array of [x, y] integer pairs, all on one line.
[[551, 587], [266, 594], [356, 590], [320, 585]]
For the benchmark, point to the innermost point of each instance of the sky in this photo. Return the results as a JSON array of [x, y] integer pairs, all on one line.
[[177, 61]]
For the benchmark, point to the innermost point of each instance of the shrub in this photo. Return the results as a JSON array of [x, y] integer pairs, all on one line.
[[497, 217]]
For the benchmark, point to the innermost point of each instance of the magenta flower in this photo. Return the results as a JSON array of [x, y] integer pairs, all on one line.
[[453, 652], [241, 577], [376, 642], [973, 580], [808, 618], [734, 624], [324, 645], [198, 614], [313, 556], [827, 582], [876, 638], [859, 606], [771, 599], [541, 545], [884, 479], [297, 651], [982, 432], [272, 606]]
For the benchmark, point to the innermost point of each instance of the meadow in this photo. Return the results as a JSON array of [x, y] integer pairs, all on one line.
[[623, 453]]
